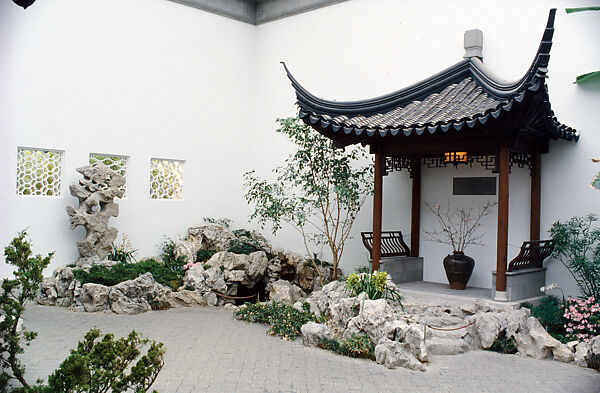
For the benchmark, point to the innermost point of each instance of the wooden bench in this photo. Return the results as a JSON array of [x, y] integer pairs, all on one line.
[[532, 255], [392, 244]]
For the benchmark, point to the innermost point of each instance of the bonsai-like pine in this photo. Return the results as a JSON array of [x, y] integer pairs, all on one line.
[[458, 227], [318, 191], [16, 293]]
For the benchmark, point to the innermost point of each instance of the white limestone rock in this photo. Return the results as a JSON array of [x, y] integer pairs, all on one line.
[[394, 354], [284, 292], [186, 249], [371, 319], [210, 237], [313, 333], [446, 346], [94, 297]]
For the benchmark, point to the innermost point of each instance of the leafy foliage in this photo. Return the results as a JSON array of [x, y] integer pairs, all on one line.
[[285, 320], [123, 252], [221, 221], [375, 285], [112, 275], [243, 246], [204, 255], [577, 247], [505, 345], [356, 346], [318, 191], [169, 258], [16, 293], [100, 364], [550, 313]]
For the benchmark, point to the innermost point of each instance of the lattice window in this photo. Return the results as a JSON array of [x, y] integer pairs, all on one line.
[[166, 179], [116, 163], [38, 171]]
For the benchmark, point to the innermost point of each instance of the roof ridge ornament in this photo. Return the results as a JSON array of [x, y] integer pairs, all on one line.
[[473, 42]]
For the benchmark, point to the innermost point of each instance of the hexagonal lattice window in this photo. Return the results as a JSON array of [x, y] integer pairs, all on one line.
[[166, 179], [38, 171], [116, 163]]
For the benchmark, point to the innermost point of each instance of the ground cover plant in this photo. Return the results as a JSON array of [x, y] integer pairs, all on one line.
[[577, 247], [504, 345], [356, 346], [284, 320], [318, 190], [374, 285]]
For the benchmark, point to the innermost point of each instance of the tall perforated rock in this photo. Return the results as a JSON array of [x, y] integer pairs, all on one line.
[[96, 193]]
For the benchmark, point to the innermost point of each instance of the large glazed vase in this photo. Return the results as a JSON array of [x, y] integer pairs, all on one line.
[[458, 268]]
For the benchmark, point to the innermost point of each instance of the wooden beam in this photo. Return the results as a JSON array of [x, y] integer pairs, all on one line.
[[536, 196], [377, 208], [415, 216], [502, 244]]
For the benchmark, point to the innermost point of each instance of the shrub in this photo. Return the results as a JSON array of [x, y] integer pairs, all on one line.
[[577, 247], [16, 293], [225, 222], [550, 313], [102, 365], [504, 345], [169, 259], [582, 319], [112, 275], [123, 252], [243, 246], [374, 285], [356, 346], [204, 255], [285, 320]]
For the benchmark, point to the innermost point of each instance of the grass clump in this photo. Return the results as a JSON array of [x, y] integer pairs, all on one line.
[[284, 320], [356, 346]]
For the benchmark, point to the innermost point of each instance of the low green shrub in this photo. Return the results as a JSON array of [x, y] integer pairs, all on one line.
[[112, 275], [285, 321], [243, 246], [169, 258], [550, 313], [204, 255], [356, 346], [505, 345], [206, 266], [225, 222]]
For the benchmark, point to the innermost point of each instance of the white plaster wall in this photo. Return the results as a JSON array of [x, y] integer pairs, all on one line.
[[153, 78], [142, 78]]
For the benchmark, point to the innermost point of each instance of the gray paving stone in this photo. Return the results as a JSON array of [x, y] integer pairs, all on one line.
[[209, 351]]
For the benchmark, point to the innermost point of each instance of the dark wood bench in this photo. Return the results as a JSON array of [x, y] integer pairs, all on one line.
[[392, 244], [532, 255]]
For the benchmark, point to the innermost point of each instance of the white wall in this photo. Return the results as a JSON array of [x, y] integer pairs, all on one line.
[[154, 78]]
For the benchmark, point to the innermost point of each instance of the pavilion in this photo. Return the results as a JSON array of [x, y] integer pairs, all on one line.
[[462, 115]]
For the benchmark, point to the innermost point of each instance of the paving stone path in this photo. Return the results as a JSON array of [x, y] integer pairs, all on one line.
[[209, 351]]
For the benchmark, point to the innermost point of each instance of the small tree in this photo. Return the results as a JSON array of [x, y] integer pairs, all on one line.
[[16, 293], [318, 191], [577, 246]]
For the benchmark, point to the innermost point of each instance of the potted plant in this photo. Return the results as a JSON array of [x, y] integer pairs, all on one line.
[[459, 229]]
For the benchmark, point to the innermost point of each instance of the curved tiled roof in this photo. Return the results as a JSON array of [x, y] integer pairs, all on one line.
[[465, 95]]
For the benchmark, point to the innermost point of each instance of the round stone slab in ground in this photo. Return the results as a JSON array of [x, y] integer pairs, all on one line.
[[209, 351]]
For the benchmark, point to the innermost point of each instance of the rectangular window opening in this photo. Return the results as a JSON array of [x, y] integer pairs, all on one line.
[[474, 186]]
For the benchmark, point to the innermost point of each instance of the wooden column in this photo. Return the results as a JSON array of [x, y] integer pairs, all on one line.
[[536, 193], [502, 244], [377, 208], [415, 215]]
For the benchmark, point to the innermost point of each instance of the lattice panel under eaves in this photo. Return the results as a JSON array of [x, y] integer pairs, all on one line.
[[38, 171], [166, 179]]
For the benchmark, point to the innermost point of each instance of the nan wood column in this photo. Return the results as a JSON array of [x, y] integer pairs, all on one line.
[[377, 208], [502, 243], [415, 215], [536, 196]]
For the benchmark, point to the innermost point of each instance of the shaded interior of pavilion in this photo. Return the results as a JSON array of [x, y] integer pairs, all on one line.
[[463, 115]]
